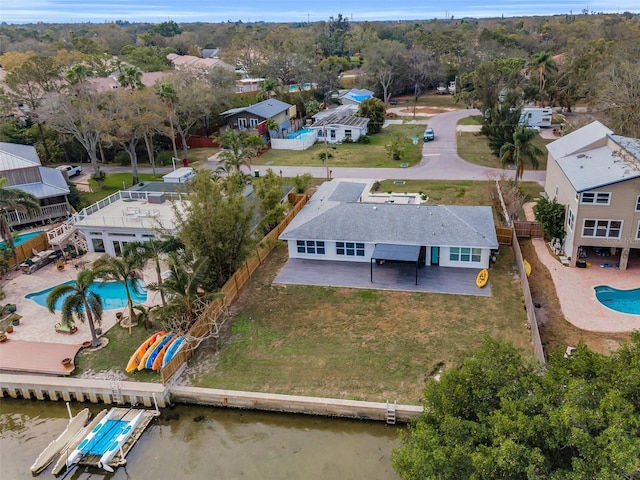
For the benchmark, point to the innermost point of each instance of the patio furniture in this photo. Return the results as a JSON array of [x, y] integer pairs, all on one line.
[[70, 330]]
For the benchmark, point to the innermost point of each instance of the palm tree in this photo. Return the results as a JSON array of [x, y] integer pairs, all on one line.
[[521, 149], [153, 249], [81, 302], [542, 62], [125, 270], [236, 154], [130, 77], [18, 201], [184, 293], [272, 126], [167, 92]]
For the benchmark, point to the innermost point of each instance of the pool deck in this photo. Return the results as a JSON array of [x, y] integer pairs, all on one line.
[[37, 323], [575, 289]]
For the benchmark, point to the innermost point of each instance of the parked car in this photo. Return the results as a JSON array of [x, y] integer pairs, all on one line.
[[72, 170], [393, 102], [533, 127], [429, 135]]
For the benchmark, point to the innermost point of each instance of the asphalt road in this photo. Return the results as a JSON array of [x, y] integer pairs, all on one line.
[[440, 161]]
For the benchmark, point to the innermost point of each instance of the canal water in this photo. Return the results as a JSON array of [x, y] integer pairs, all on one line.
[[191, 442]]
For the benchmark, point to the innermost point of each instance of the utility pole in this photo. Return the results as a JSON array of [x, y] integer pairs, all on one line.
[[326, 153]]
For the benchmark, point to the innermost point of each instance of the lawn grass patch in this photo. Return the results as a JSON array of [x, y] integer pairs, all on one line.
[[474, 148], [355, 344], [369, 155], [113, 183], [114, 357]]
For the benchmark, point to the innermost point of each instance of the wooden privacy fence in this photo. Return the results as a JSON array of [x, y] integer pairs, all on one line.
[[208, 319], [528, 301], [528, 229], [25, 249], [504, 235]]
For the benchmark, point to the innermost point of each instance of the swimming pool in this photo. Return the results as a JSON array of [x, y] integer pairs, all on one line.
[[20, 239], [624, 301], [302, 133], [113, 295]]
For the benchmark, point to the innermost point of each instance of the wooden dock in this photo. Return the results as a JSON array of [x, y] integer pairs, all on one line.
[[125, 415]]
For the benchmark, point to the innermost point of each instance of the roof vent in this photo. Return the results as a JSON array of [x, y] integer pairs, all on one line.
[[581, 166], [375, 208], [581, 155]]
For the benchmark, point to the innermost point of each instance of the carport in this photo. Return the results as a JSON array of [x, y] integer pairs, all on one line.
[[398, 253]]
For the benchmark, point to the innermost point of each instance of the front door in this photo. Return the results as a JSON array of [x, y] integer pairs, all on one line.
[[435, 255]]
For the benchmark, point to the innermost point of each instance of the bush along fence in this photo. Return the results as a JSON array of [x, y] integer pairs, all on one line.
[[209, 321]]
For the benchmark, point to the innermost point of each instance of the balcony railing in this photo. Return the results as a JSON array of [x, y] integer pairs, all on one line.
[[48, 212]]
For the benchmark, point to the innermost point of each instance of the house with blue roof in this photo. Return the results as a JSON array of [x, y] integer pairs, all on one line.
[[342, 222], [21, 167], [253, 119], [596, 175]]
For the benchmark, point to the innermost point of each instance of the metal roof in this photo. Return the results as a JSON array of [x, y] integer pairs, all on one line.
[[265, 109], [401, 253], [342, 119], [324, 218], [14, 156]]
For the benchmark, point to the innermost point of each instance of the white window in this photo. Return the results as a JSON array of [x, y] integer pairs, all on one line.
[[320, 133], [311, 247], [599, 198], [253, 122], [602, 228], [333, 134], [350, 249], [465, 254], [242, 123], [571, 219], [347, 133], [638, 231], [638, 204]]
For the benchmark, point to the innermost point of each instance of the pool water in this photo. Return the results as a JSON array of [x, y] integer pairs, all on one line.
[[624, 301], [113, 295], [20, 239], [302, 133]]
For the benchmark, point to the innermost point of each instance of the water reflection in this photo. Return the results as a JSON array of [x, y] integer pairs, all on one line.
[[202, 442]]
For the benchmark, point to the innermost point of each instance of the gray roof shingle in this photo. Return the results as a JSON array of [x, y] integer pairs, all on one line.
[[324, 218]]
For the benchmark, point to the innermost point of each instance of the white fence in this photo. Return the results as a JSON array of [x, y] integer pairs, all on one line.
[[302, 143]]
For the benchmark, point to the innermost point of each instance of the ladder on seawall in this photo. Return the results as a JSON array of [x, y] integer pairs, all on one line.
[[391, 413], [116, 391]]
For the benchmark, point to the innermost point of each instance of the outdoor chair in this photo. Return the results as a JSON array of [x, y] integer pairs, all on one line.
[[70, 330]]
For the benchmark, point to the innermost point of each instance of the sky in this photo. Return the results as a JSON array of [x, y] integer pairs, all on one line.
[[57, 11]]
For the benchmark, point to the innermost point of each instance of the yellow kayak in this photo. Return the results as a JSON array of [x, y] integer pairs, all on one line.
[[527, 267], [482, 278]]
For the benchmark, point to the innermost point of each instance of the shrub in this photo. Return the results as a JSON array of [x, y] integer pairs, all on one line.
[[164, 158], [122, 159], [551, 217], [364, 139], [323, 155]]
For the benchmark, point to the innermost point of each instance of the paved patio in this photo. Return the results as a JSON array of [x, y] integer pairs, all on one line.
[[575, 288], [37, 323], [390, 276]]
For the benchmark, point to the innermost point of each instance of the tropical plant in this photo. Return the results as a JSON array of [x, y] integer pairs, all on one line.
[[17, 201], [302, 182], [80, 302], [551, 216], [542, 63], [154, 249], [125, 270], [130, 77], [236, 154], [268, 189], [184, 291], [521, 149], [374, 110]]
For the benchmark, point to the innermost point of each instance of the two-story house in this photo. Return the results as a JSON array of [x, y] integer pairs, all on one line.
[[253, 119], [596, 174], [21, 166]]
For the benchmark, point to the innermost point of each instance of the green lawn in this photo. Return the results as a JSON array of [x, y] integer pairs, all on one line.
[[117, 353], [473, 148], [369, 155], [356, 344], [113, 183]]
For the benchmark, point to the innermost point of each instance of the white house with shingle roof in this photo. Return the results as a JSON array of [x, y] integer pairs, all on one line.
[[596, 175], [339, 126], [338, 223]]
